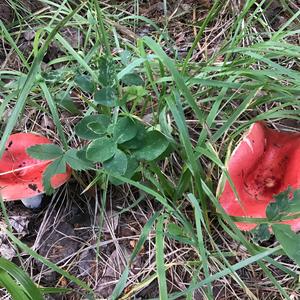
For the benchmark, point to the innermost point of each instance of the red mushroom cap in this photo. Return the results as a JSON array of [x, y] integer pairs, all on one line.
[[20, 174], [265, 163]]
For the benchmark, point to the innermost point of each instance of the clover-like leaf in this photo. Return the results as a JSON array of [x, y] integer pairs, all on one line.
[[125, 57], [66, 102], [178, 233], [125, 130], [99, 127], [132, 79], [134, 92], [101, 149], [106, 76], [285, 203], [85, 83], [85, 128], [138, 140], [58, 166], [261, 233], [117, 164], [155, 144], [132, 166], [106, 96], [289, 240], [45, 151], [77, 163]]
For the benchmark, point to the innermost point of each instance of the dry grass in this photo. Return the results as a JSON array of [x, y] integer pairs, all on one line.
[[92, 241]]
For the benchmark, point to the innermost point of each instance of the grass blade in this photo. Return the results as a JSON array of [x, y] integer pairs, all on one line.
[[160, 264], [30, 80], [21, 277]]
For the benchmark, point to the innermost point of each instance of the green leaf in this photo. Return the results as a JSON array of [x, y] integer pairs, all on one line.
[[15, 291], [125, 57], [58, 166], [125, 130], [117, 164], [99, 128], [101, 149], [66, 102], [106, 97], [84, 128], [285, 202], [294, 202], [82, 153], [53, 76], [106, 75], [139, 138], [176, 230], [261, 233], [134, 92], [69, 105], [289, 240], [45, 151], [132, 166], [85, 83], [132, 79], [154, 145], [21, 277], [76, 162], [179, 234]]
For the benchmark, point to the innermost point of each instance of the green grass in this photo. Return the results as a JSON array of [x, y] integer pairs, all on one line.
[[201, 107]]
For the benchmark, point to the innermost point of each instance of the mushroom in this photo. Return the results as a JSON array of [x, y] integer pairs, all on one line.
[[21, 175], [265, 163]]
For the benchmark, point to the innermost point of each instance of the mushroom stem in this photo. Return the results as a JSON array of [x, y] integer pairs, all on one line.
[[33, 202]]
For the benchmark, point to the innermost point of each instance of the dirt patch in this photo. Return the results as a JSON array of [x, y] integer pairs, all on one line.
[[6, 12]]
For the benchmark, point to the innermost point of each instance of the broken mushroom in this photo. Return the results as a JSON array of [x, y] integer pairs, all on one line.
[[21, 176], [265, 163]]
